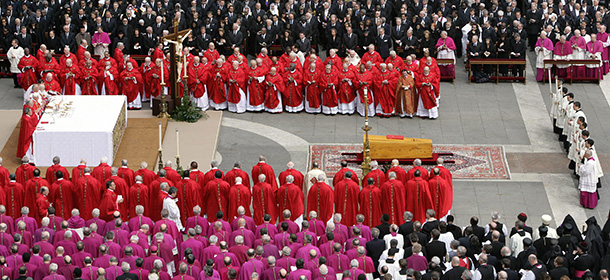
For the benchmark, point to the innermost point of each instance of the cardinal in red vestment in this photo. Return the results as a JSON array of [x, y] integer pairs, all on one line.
[[211, 53], [131, 83], [255, 87], [215, 197], [239, 195], [441, 194], [14, 194], [102, 171], [198, 78], [263, 200], [88, 79], [274, 86], [69, 78], [293, 93], [418, 198], [334, 60], [122, 188], [48, 65], [192, 193], [263, 168], [109, 203], [216, 85], [377, 175], [237, 172], [313, 100], [290, 197], [32, 189], [346, 90], [29, 121], [401, 174], [298, 176], [393, 194], [107, 59], [87, 192], [62, 196], [29, 68], [321, 198], [364, 80], [370, 203], [235, 81], [372, 56], [52, 171], [346, 198], [328, 82], [395, 60], [52, 85], [156, 73], [67, 55], [139, 194], [428, 90], [108, 77], [25, 171], [385, 90], [42, 203]]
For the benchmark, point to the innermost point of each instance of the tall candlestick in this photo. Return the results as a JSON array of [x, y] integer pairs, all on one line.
[[162, 76], [160, 136], [184, 56], [177, 143]]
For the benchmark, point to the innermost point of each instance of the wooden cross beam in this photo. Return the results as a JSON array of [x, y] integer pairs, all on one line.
[[174, 58]]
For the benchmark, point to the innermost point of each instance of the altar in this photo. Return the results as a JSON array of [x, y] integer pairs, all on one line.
[[89, 127]]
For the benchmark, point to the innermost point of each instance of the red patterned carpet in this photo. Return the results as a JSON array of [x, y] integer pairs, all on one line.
[[471, 162]]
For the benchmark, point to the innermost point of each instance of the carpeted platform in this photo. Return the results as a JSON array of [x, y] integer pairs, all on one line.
[[140, 143], [471, 162]]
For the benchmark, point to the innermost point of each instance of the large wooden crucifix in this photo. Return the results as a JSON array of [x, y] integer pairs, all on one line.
[[175, 60]]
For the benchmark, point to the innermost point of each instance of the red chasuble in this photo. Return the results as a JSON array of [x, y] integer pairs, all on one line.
[[155, 82], [312, 91], [235, 80], [101, 172], [42, 204], [63, 58], [298, 177], [52, 173], [14, 194], [346, 200], [328, 83], [88, 81], [346, 91], [396, 61], [26, 129], [385, 93], [377, 175], [192, 195], [321, 198], [45, 67], [427, 92], [239, 195], [290, 196], [69, 77], [364, 80], [273, 87], [336, 62], [215, 198], [255, 89], [393, 194], [88, 192], [102, 63], [62, 197], [234, 173], [198, 77], [263, 202], [53, 85], [439, 192], [28, 66], [216, 84], [110, 85], [108, 205], [374, 57], [370, 205], [264, 168], [293, 94], [139, 195], [32, 188], [121, 189], [211, 55], [131, 82], [418, 198]]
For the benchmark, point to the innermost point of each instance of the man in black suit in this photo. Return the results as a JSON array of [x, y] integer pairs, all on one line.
[[126, 275], [456, 271], [263, 40], [409, 44], [150, 40], [67, 38], [303, 44], [383, 44], [436, 247], [375, 247], [350, 40], [407, 228], [109, 24], [158, 27], [235, 38], [384, 227], [203, 40], [398, 32], [25, 39]]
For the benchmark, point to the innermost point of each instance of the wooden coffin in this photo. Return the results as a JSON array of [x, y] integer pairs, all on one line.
[[389, 147]]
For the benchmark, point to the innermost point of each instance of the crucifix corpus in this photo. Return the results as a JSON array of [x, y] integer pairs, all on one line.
[[176, 59]]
